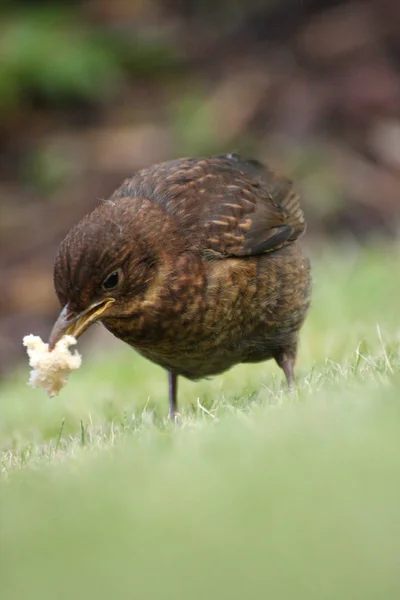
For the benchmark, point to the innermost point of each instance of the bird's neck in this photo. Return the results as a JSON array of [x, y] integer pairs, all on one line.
[[170, 306]]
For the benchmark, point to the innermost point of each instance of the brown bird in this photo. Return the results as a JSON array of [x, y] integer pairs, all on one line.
[[194, 263]]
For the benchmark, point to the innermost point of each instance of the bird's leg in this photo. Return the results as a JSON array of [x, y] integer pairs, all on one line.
[[173, 392], [286, 360]]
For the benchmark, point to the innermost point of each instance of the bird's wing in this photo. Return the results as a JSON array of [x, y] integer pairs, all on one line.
[[225, 205], [256, 212]]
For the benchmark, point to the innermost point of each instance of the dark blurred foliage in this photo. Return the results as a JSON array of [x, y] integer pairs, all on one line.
[[91, 91]]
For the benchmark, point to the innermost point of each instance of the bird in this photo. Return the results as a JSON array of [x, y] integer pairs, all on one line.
[[195, 263]]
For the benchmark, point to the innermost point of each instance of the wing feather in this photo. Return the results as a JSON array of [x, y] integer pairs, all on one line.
[[224, 205]]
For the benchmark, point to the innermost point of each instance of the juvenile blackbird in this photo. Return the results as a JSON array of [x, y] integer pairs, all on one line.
[[194, 263]]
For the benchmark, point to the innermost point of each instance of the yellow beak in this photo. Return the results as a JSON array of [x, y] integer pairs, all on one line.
[[71, 324]]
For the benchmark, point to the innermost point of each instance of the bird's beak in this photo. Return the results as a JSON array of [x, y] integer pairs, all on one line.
[[69, 323]]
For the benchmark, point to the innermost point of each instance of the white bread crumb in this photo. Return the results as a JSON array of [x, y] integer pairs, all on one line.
[[50, 369]]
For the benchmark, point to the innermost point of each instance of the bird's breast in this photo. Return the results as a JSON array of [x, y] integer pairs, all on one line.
[[209, 316]]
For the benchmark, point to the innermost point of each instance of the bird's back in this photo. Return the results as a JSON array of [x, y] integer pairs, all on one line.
[[223, 205]]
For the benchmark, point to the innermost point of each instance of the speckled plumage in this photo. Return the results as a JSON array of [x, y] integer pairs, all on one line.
[[212, 274]]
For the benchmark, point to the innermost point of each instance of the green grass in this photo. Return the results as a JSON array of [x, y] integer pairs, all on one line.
[[259, 494]]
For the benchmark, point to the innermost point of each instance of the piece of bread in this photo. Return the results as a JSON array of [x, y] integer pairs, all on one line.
[[50, 369]]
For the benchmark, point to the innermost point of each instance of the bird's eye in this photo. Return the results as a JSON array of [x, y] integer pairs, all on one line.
[[112, 281]]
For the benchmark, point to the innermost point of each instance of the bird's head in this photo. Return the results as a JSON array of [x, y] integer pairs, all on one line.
[[107, 265]]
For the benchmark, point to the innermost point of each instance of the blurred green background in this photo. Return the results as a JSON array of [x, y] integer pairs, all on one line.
[[91, 91]]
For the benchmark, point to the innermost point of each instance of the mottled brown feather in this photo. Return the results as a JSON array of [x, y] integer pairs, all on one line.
[[259, 210]]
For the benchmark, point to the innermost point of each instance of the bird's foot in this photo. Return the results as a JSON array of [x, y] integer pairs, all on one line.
[[175, 418]]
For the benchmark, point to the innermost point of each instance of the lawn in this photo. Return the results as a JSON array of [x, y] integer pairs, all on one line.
[[259, 494]]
